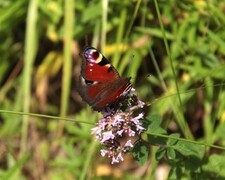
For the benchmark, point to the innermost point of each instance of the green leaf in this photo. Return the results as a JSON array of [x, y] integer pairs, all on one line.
[[217, 39], [155, 32], [175, 173], [220, 131], [190, 149], [193, 164], [160, 153], [216, 166], [16, 167], [152, 124], [91, 12], [156, 140], [155, 120], [172, 141], [140, 153], [171, 154]]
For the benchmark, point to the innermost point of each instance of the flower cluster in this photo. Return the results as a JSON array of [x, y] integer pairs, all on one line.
[[118, 127]]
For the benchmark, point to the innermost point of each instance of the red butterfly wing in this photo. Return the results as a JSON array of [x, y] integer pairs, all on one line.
[[100, 84], [96, 67], [111, 92]]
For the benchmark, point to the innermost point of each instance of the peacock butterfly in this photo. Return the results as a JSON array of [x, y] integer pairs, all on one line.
[[100, 84]]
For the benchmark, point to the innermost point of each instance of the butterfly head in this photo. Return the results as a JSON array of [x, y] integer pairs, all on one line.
[[92, 55]]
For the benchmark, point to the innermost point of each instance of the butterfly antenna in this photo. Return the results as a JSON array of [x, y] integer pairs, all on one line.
[[86, 41]]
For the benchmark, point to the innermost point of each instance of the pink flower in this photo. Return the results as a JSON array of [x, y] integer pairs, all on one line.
[[114, 160], [128, 144], [106, 136], [120, 132], [108, 111], [103, 152], [139, 128], [131, 132], [117, 120], [136, 119], [119, 124], [120, 157]]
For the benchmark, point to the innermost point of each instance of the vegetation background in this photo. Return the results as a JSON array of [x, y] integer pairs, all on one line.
[[173, 50]]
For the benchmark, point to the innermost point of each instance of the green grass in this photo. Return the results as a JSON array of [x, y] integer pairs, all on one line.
[[173, 50]]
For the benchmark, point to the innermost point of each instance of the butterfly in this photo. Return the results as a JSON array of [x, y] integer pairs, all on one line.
[[100, 84]]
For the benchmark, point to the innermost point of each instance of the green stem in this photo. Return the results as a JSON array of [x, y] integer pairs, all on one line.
[[67, 63], [178, 110], [29, 56], [46, 116]]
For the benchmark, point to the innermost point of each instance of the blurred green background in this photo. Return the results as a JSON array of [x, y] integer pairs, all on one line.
[[176, 60]]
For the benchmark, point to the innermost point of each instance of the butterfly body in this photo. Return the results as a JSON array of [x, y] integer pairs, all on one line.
[[100, 85]]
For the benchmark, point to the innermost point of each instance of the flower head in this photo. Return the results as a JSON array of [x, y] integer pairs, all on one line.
[[117, 124]]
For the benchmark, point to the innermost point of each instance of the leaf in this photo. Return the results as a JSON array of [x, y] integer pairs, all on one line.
[[154, 122], [172, 141], [91, 12], [220, 131], [175, 173], [215, 166], [217, 39], [152, 125], [155, 32], [160, 153], [193, 164], [190, 149], [171, 153], [140, 153], [16, 167]]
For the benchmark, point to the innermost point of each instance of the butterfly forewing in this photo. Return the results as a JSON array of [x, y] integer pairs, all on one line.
[[100, 84], [95, 72], [96, 67]]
